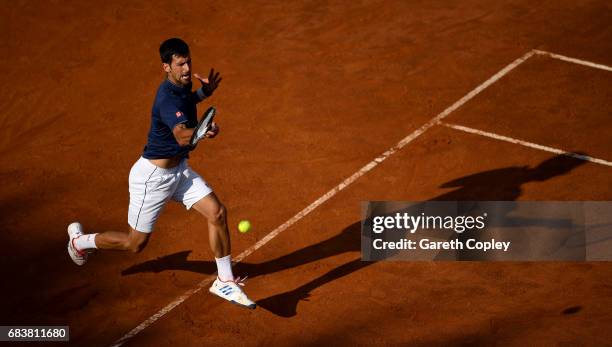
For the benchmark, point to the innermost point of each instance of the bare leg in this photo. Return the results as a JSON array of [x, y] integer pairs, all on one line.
[[226, 285], [133, 241], [218, 234]]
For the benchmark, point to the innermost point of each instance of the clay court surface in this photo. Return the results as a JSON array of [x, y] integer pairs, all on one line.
[[311, 93]]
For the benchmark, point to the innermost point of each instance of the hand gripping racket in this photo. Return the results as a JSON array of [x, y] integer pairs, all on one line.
[[203, 126]]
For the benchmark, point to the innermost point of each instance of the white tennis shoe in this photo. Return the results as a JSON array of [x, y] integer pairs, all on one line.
[[232, 292], [78, 257]]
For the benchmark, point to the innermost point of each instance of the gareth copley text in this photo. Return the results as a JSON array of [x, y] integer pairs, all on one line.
[[427, 244]]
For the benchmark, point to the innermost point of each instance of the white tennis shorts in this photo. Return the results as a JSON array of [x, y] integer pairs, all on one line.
[[151, 187]]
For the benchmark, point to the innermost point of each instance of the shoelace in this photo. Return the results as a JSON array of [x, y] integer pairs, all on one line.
[[240, 281]]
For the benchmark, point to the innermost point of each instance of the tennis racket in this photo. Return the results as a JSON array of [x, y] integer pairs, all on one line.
[[203, 126]]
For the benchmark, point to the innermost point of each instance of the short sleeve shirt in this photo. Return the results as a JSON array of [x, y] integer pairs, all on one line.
[[173, 105]]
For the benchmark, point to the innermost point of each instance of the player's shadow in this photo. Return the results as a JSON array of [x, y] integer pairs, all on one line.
[[503, 184]]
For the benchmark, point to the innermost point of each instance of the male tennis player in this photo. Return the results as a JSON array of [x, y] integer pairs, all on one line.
[[162, 173]]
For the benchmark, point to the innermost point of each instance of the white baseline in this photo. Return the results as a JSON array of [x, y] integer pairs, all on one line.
[[574, 60], [526, 144]]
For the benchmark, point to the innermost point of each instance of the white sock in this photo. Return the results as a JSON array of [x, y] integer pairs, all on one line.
[[85, 242], [224, 268]]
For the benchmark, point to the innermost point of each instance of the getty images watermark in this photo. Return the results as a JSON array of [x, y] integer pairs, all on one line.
[[486, 230], [409, 223]]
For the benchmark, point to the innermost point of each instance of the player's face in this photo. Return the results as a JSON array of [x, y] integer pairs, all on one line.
[[179, 70]]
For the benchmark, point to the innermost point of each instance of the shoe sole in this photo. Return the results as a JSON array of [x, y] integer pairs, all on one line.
[[250, 307]]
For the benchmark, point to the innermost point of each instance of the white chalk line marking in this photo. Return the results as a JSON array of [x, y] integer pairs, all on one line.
[[526, 144], [574, 60], [369, 166]]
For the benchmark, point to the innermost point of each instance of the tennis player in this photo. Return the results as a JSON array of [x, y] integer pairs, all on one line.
[[162, 173]]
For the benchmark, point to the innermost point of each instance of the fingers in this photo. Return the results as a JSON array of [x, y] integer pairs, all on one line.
[[202, 80], [210, 134], [211, 83], [214, 130], [213, 76]]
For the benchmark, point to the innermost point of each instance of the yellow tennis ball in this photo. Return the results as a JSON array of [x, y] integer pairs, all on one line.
[[244, 226]]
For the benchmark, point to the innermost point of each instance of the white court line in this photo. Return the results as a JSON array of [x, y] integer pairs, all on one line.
[[369, 166], [574, 60], [526, 144]]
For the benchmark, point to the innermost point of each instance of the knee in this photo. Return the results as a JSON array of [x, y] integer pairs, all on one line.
[[218, 216]]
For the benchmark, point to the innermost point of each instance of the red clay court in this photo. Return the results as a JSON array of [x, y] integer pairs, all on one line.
[[323, 105]]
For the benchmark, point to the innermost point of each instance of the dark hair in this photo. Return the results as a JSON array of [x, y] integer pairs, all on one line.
[[171, 47]]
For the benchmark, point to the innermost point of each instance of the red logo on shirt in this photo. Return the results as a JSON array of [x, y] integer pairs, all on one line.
[[178, 114]]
